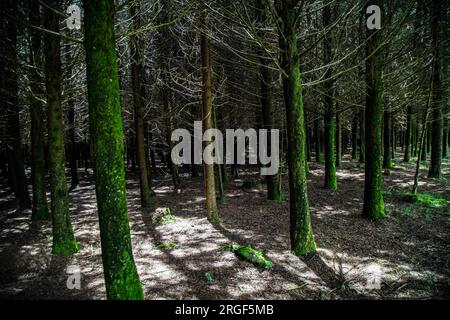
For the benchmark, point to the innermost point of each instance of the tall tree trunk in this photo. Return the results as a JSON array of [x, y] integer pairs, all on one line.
[[329, 123], [408, 135], [339, 148], [387, 163], [273, 181], [373, 198], [63, 237], [40, 208], [137, 73], [73, 150], [207, 116], [355, 136], [436, 105], [393, 137], [362, 134], [308, 141], [423, 148], [121, 278], [73, 145], [167, 102], [301, 234], [317, 140]]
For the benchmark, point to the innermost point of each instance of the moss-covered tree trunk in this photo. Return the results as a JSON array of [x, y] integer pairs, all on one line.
[[408, 135], [373, 198], [40, 207], [301, 234], [63, 237], [268, 112], [121, 278], [137, 74], [437, 101], [207, 116]]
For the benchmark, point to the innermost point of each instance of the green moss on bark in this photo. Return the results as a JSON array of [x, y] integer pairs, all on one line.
[[302, 239], [121, 278], [63, 237], [373, 199]]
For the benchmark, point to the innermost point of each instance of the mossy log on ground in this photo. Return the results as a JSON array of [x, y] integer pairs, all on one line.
[[251, 255]]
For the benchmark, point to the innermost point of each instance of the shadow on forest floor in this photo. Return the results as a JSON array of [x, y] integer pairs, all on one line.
[[405, 254]]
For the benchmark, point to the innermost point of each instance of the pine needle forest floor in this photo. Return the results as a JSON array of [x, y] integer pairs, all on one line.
[[407, 254]]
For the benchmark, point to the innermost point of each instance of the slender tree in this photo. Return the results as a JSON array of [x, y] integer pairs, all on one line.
[[301, 234], [40, 207], [339, 140], [273, 181], [408, 135], [437, 105], [354, 136], [63, 237], [137, 74], [373, 198], [207, 116], [387, 163], [121, 277], [329, 119]]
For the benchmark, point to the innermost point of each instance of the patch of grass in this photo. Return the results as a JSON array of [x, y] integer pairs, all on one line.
[[164, 216], [166, 245], [215, 218], [421, 203], [429, 200], [251, 255]]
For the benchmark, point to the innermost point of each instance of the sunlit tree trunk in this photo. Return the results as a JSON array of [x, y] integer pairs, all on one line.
[[121, 278]]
